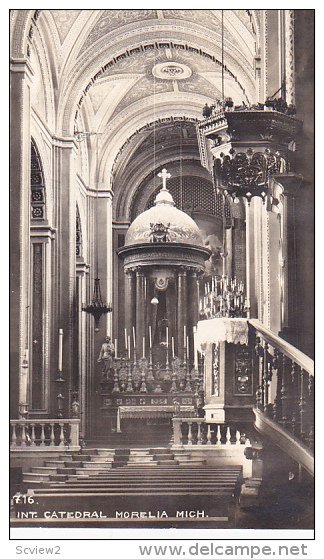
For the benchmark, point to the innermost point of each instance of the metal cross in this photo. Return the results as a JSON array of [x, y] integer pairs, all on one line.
[[164, 175]]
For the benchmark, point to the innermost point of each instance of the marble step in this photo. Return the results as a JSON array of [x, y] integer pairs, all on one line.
[[98, 483], [96, 451], [43, 470], [81, 491], [161, 450], [137, 459], [30, 476]]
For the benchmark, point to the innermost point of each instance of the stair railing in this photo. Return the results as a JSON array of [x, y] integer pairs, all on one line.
[[42, 434], [195, 431], [285, 392]]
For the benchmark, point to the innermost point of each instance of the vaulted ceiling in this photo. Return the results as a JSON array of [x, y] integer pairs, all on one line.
[[114, 72]]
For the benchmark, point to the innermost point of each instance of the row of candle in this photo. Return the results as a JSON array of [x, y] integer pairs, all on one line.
[[185, 339], [223, 297], [223, 284]]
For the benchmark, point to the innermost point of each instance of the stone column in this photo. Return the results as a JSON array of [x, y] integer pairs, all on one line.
[[105, 249], [140, 311], [250, 261], [193, 308], [130, 301], [182, 310], [64, 183], [84, 396], [288, 186], [21, 76]]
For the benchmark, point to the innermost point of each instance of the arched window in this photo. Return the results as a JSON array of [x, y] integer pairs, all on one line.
[[39, 257], [37, 185], [78, 234]]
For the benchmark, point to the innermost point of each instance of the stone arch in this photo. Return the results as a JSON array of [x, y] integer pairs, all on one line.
[[21, 22], [185, 107]]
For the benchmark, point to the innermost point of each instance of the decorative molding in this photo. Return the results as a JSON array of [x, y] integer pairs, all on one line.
[[21, 65], [290, 55]]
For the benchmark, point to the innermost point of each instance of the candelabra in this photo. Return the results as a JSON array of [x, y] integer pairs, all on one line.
[[223, 297]]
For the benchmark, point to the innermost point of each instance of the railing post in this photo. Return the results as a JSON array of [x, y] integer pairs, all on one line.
[[284, 396], [311, 411], [61, 443], [177, 435], [276, 365], [294, 397], [189, 433], [260, 355], [208, 434], [74, 435], [14, 436], [218, 436], [228, 436], [199, 433], [32, 436], [23, 434], [42, 437], [52, 435], [265, 377], [302, 406]]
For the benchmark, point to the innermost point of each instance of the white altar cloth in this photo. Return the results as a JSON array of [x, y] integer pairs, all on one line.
[[214, 330]]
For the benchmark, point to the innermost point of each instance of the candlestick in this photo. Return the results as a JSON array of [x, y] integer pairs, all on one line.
[[195, 347], [167, 336], [172, 343], [115, 348], [143, 347], [126, 339], [184, 335], [128, 347], [187, 347], [150, 335], [60, 350], [134, 339]]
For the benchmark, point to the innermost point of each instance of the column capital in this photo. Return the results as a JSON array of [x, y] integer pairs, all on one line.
[[42, 231], [140, 272], [182, 271], [130, 272], [21, 66], [82, 268], [65, 142]]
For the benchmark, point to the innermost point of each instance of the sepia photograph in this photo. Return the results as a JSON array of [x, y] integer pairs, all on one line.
[[162, 269]]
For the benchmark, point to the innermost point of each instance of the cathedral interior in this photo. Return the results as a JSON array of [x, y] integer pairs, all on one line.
[[161, 242]]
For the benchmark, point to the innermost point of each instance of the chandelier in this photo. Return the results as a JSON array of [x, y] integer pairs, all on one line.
[[97, 307], [223, 297]]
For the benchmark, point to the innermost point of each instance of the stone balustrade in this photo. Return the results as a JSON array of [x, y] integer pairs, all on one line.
[[285, 392], [195, 431], [44, 434]]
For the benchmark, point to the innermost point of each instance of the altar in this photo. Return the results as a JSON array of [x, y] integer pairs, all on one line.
[[167, 362]]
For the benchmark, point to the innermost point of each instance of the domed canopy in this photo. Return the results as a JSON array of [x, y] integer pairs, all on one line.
[[164, 223]]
